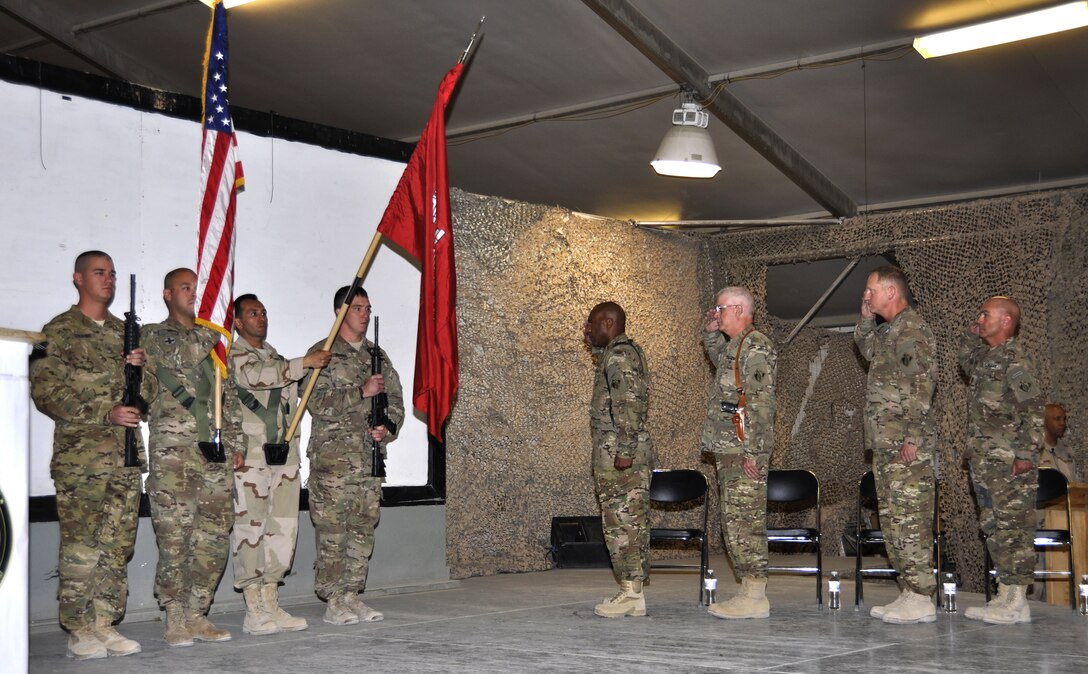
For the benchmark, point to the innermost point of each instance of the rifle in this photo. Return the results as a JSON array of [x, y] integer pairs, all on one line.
[[379, 406], [133, 375]]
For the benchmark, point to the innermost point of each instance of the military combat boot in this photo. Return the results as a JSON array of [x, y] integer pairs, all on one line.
[[177, 634], [914, 608], [115, 643], [83, 644], [750, 602], [365, 613], [282, 619], [258, 621], [1014, 610], [628, 601], [878, 611], [202, 629], [339, 612]]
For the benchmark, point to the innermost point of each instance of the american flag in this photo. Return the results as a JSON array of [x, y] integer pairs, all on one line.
[[220, 179]]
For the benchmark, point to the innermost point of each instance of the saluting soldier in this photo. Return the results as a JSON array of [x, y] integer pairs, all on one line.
[[900, 434], [739, 432]]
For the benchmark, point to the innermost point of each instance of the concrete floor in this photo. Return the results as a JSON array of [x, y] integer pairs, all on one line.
[[544, 622]]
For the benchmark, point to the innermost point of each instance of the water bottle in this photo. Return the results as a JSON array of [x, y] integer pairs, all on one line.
[[834, 591], [1084, 594], [710, 586], [949, 593]]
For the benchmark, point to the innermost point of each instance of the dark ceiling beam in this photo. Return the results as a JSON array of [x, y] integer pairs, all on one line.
[[684, 70], [62, 29]]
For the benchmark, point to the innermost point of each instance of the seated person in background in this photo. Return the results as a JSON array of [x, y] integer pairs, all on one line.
[[1055, 455]]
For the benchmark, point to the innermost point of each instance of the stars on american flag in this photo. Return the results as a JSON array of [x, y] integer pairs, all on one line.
[[215, 87]]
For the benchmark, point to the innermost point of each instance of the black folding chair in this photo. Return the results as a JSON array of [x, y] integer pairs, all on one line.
[[678, 487], [795, 490], [1052, 487], [874, 537]]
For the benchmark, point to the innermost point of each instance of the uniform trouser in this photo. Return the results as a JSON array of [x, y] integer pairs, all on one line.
[[98, 510], [265, 523], [344, 507], [191, 510], [624, 496], [744, 515], [1006, 505], [905, 495]]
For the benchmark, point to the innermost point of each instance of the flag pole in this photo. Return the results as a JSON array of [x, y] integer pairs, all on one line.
[[364, 267], [471, 40]]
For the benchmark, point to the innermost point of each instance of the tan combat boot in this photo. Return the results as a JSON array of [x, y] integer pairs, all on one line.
[[750, 602], [258, 620], [365, 613], [1014, 610], [202, 629], [878, 611], [628, 601], [115, 643], [83, 644], [282, 619], [177, 634], [914, 608], [339, 612]]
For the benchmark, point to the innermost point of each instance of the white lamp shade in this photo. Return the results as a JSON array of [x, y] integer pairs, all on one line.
[[686, 152]]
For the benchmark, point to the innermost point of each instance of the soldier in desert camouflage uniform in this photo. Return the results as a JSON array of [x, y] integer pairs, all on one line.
[[344, 497], [258, 411], [1005, 435], [79, 384], [741, 462], [901, 437], [622, 454], [190, 496]]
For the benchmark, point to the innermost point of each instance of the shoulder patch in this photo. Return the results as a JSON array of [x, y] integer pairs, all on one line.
[[169, 339], [906, 359]]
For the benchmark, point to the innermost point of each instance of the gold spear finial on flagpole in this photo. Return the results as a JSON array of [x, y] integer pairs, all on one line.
[[471, 40]]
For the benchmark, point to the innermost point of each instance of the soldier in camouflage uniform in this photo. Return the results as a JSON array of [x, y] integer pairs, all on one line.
[[1005, 435], [622, 454], [79, 384], [901, 436], [741, 462], [344, 497], [258, 411], [190, 496]]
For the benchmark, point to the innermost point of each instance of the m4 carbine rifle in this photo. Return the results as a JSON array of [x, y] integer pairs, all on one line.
[[379, 407], [133, 375]]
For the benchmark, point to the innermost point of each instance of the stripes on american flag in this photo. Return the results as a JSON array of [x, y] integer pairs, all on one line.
[[220, 179]]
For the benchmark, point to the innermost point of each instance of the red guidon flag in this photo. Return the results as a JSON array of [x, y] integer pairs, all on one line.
[[220, 179], [418, 220]]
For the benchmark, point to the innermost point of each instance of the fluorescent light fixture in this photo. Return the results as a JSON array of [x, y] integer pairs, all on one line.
[[1011, 29], [227, 4], [687, 151]]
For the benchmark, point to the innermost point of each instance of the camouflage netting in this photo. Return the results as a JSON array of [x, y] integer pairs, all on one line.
[[1029, 247], [518, 438]]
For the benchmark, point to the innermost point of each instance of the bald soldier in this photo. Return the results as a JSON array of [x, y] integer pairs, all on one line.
[[1055, 454], [190, 495], [1004, 435], [622, 454], [741, 438], [79, 384], [901, 435]]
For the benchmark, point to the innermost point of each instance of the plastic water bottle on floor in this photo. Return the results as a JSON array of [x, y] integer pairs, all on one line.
[[710, 586], [1084, 594], [949, 593], [834, 591]]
